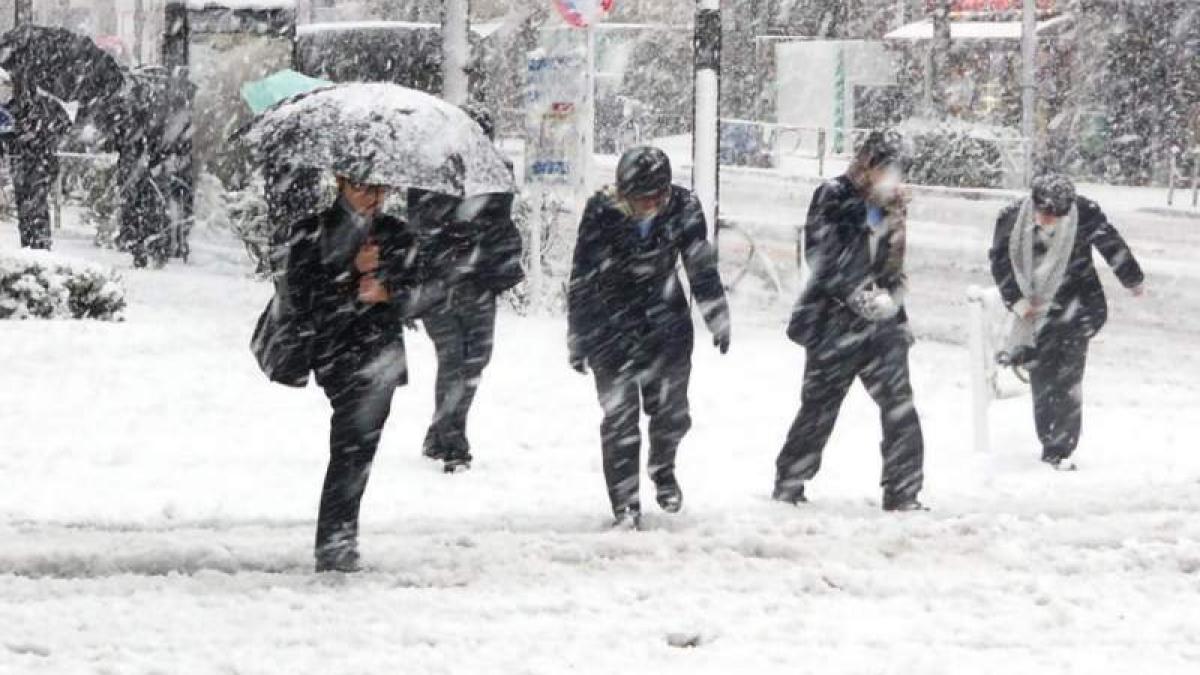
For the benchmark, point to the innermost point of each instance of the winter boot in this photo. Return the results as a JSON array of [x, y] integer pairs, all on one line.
[[668, 494], [789, 492], [902, 504], [1060, 463], [338, 558], [457, 461], [628, 518]]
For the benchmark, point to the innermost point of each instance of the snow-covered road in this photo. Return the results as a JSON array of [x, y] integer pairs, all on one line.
[[157, 499]]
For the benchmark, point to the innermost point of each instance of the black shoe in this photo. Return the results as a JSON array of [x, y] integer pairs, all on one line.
[[338, 559], [433, 452], [628, 518], [789, 492], [668, 494], [903, 504], [1060, 463]]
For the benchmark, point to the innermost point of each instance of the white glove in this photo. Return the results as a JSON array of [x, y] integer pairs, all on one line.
[[874, 304]]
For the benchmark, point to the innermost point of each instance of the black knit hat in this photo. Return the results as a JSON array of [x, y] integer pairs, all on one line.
[[1053, 193], [643, 171], [481, 116]]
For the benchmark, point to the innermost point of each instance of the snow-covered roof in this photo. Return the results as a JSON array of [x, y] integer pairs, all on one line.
[[972, 30], [310, 28], [241, 4]]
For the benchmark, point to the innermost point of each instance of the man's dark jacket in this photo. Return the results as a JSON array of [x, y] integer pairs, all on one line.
[[322, 295], [626, 304], [838, 252], [476, 236], [1080, 305]]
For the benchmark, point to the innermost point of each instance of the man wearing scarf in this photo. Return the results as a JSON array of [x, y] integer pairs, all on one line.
[[851, 321], [1041, 259]]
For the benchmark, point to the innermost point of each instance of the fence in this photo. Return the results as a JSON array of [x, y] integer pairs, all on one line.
[[1178, 172]]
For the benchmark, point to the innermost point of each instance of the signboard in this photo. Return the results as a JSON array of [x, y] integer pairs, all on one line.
[[989, 6], [555, 98], [583, 13]]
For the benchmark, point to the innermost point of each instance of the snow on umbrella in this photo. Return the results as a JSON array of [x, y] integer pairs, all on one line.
[[381, 134], [264, 93], [66, 65]]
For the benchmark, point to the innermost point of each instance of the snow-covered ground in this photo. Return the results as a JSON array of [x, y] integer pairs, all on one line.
[[157, 499]]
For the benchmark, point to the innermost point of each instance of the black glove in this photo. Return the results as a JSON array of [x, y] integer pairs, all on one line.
[[579, 364], [721, 341]]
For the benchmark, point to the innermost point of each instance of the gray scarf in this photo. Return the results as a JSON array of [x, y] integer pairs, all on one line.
[[1038, 278]]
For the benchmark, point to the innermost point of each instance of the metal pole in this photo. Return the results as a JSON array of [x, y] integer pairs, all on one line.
[[588, 119], [706, 127], [1028, 83], [22, 12], [981, 395], [139, 32], [455, 50]]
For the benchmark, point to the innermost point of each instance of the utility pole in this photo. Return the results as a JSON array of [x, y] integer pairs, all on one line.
[[1028, 83], [939, 57], [455, 50], [22, 12], [706, 126], [139, 31]]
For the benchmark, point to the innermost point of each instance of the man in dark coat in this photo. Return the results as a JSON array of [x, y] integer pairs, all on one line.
[[41, 123], [475, 240], [631, 323], [351, 280], [851, 321], [141, 175], [1041, 259]]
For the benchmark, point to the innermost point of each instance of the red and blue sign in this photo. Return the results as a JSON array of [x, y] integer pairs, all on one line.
[[581, 13]]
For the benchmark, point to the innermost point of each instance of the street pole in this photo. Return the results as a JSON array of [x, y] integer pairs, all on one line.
[[22, 12], [455, 50], [588, 135], [1028, 83], [706, 126]]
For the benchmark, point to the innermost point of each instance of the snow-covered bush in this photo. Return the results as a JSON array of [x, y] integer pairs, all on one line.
[[958, 155], [38, 284]]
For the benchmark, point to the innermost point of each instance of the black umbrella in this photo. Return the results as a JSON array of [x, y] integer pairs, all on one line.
[[66, 65], [380, 133]]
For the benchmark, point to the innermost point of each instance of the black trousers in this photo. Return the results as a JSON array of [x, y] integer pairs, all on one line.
[[879, 358], [462, 337], [1056, 377], [33, 175], [361, 403], [661, 389]]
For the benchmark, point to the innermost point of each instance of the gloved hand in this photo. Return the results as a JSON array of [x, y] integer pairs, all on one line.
[[579, 364], [873, 304], [721, 341]]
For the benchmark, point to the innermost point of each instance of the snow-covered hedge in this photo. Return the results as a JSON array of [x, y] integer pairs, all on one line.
[[38, 284], [957, 154]]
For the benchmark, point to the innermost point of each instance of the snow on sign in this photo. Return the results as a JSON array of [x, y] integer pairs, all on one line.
[[583, 13]]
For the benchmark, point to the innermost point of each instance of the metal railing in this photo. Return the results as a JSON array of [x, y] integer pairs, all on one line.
[[1177, 173]]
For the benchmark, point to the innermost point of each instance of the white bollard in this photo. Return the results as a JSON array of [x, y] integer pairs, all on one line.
[[981, 388]]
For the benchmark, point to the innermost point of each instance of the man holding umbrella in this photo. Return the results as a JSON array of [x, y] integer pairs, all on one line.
[[630, 320], [352, 276], [48, 66]]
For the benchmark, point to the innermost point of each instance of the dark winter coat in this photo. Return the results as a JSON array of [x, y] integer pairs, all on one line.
[[323, 294], [626, 304], [41, 123], [838, 252], [472, 239], [1080, 305]]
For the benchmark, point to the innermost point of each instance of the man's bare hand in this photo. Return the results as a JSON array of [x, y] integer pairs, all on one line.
[[367, 260], [371, 291]]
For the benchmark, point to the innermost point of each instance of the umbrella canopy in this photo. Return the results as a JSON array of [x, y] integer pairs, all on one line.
[[381, 134], [264, 93], [64, 64]]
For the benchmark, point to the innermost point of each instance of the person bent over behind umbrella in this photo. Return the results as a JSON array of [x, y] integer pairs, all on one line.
[[851, 321], [351, 277], [630, 321], [1041, 259]]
